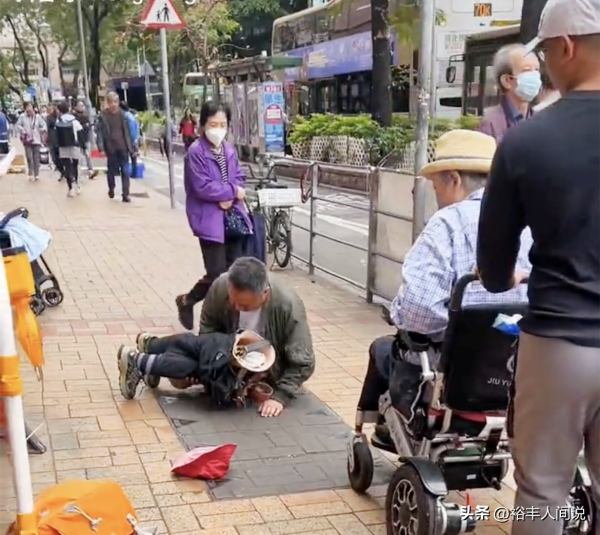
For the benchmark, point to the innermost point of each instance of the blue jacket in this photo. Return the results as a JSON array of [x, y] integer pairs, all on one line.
[[134, 126], [3, 128]]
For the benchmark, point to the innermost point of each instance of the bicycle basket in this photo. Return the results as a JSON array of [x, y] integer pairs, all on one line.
[[280, 197]]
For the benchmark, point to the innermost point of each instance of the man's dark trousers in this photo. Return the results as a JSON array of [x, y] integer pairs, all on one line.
[[117, 163]]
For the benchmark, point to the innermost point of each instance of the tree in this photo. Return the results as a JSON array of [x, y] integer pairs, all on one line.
[[530, 18], [382, 63], [256, 17]]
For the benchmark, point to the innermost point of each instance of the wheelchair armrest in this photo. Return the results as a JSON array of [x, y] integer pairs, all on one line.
[[416, 342]]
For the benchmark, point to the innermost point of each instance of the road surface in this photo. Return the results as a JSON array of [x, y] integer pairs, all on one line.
[[349, 224]]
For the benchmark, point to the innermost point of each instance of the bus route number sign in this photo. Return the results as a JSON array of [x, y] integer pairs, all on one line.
[[482, 10]]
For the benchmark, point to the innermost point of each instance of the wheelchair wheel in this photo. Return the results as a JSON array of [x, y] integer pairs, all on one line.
[[281, 232], [52, 297], [409, 508], [152, 381], [36, 303], [582, 501], [360, 467]]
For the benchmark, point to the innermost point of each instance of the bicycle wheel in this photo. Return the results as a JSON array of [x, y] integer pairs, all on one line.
[[281, 236]]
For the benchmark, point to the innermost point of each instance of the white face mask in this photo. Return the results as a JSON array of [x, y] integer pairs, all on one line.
[[215, 135]]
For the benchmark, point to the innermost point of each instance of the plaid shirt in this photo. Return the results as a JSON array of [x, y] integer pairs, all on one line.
[[444, 251]]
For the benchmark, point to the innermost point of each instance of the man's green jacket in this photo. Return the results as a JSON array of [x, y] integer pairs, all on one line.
[[286, 327]]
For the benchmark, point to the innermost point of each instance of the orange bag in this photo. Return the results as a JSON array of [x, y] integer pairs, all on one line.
[[85, 508]]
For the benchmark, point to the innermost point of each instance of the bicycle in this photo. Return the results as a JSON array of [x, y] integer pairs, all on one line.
[[275, 201]]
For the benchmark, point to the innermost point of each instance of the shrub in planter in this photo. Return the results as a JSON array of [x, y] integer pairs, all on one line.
[[468, 122]]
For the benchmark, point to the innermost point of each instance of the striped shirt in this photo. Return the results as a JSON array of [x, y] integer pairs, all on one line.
[[222, 162]]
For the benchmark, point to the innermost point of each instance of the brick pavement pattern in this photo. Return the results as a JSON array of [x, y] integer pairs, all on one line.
[[120, 267]]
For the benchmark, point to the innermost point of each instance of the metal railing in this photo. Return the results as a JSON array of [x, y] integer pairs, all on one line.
[[389, 231]]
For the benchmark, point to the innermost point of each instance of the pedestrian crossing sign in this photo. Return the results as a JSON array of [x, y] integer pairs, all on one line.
[[162, 14]]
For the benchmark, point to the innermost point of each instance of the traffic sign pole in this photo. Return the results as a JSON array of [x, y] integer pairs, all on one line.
[[169, 124], [162, 15]]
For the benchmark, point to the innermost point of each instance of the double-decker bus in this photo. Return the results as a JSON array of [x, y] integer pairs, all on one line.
[[334, 42], [479, 85]]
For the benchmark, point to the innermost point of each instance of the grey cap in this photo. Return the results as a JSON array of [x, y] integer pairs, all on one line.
[[561, 18]]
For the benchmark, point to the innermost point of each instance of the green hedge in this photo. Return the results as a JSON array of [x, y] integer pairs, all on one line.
[[382, 140]]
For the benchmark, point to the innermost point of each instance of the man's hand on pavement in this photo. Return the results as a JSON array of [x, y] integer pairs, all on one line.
[[270, 408]]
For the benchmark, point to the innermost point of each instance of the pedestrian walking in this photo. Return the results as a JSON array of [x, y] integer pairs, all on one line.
[[546, 174], [67, 130], [53, 141], [518, 79], [32, 130], [187, 129], [114, 139], [134, 132], [84, 137], [215, 191]]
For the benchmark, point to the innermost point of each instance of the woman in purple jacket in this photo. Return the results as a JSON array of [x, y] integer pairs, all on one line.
[[216, 211]]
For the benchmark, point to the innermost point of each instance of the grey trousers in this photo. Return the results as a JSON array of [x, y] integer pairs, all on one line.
[[32, 154], [556, 412]]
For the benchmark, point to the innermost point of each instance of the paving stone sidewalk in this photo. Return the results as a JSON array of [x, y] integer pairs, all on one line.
[[120, 267]]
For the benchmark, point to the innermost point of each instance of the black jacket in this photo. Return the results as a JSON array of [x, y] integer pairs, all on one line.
[[83, 136], [51, 124]]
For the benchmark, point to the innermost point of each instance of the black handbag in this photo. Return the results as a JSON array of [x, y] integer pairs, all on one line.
[[235, 224]]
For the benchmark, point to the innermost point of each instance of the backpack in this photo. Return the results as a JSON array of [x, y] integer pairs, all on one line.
[[80, 507], [65, 134]]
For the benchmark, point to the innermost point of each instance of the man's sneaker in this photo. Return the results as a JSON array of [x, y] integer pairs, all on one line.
[[31, 179], [185, 312], [78, 189], [93, 174], [142, 341], [111, 194], [36, 178], [126, 198], [129, 375], [71, 193]]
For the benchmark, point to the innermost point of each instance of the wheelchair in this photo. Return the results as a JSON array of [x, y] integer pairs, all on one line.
[[452, 436]]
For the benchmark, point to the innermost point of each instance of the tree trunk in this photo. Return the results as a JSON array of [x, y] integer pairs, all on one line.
[[381, 99], [530, 18], [95, 64]]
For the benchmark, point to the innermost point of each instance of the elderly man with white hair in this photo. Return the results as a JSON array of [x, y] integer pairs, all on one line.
[[517, 76], [443, 252]]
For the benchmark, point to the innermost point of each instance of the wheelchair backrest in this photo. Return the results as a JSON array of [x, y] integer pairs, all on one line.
[[477, 359]]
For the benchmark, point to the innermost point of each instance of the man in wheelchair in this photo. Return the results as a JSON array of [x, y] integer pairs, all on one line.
[[443, 252], [438, 389]]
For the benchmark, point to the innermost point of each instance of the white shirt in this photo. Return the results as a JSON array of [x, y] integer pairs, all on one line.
[[250, 320]]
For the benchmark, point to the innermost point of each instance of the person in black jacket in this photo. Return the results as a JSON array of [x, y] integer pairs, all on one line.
[[51, 119]]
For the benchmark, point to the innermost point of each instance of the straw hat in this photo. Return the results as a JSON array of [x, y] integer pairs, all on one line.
[[252, 352], [462, 150]]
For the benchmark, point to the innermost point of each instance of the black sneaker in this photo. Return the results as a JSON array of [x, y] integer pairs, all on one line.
[[111, 194], [127, 199], [185, 312], [129, 375]]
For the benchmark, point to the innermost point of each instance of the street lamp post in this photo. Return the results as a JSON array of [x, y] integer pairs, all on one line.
[[86, 83]]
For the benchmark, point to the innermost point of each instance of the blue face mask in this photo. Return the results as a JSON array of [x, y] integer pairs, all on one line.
[[529, 84]]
